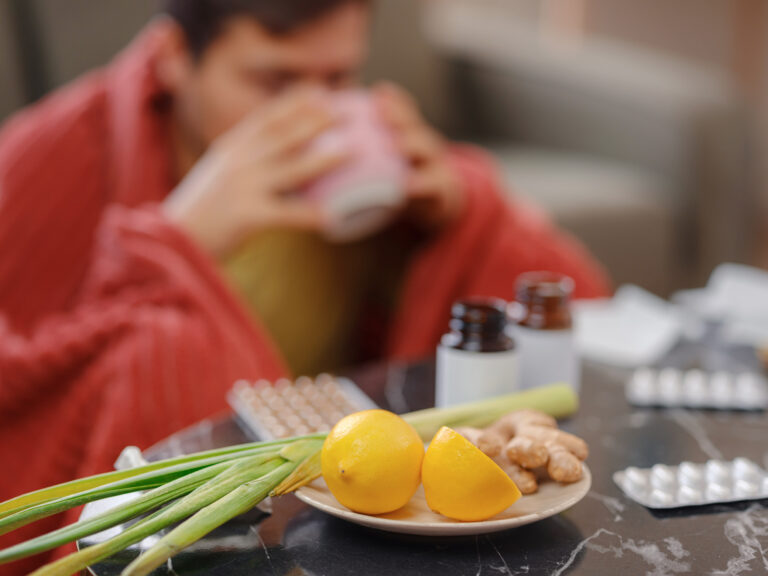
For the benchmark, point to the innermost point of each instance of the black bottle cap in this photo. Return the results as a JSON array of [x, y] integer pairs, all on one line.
[[479, 314]]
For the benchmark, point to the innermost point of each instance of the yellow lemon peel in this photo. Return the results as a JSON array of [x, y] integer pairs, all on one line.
[[371, 461], [461, 482]]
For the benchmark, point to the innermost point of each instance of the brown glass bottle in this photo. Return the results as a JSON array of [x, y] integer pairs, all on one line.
[[479, 325], [543, 301]]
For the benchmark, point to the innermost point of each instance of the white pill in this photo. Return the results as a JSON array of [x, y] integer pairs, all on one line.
[[689, 495], [636, 478], [718, 471], [299, 404], [669, 376], [643, 383], [721, 388], [316, 422], [267, 392], [695, 387], [283, 384], [269, 420], [277, 403], [280, 432], [663, 476], [670, 385], [691, 474], [641, 395], [746, 469], [671, 394], [292, 420], [302, 383], [745, 488], [241, 385], [718, 492], [662, 498], [750, 390], [747, 381]]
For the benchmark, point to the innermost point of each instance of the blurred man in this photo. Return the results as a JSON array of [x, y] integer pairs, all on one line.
[[124, 196]]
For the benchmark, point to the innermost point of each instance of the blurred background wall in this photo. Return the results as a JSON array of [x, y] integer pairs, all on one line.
[[636, 123]]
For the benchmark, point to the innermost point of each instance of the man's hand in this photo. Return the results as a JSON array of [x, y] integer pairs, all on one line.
[[243, 183], [433, 189]]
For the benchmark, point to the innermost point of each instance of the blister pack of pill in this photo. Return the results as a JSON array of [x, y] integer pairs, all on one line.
[[689, 484], [286, 408], [670, 388]]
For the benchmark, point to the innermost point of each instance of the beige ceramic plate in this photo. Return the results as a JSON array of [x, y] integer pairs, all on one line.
[[417, 518]]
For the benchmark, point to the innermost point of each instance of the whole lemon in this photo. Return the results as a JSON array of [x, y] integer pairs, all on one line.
[[461, 482], [371, 461]]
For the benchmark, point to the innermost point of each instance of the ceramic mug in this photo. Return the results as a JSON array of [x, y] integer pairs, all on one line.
[[363, 195]]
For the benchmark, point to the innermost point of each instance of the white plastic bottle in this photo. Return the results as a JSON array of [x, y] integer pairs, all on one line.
[[477, 359]]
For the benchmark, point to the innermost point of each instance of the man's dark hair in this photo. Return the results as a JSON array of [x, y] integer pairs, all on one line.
[[202, 19]]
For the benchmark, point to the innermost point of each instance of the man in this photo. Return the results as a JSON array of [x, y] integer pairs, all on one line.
[[124, 196]]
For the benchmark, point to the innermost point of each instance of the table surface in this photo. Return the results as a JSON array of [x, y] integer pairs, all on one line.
[[604, 534]]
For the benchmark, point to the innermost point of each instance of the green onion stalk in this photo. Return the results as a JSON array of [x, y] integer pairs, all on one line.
[[202, 491]]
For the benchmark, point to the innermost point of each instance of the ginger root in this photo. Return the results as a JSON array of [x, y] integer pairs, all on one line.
[[471, 434], [525, 479], [526, 440]]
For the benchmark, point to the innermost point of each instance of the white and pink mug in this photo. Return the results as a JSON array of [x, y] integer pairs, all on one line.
[[363, 195]]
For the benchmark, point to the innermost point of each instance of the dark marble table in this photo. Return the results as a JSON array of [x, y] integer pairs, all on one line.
[[605, 534]]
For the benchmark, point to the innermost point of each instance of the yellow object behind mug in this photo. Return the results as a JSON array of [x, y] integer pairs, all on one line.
[[306, 291]]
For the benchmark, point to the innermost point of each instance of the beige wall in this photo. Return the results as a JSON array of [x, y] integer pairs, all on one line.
[[11, 93], [695, 29], [82, 34], [400, 53]]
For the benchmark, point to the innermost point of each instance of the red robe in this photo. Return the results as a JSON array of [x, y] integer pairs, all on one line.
[[116, 329]]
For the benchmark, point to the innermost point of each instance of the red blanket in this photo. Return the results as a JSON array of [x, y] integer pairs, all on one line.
[[115, 329]]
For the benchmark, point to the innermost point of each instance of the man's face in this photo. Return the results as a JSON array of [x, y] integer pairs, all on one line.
[[246, 67]]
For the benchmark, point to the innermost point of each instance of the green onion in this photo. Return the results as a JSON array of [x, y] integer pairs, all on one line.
[[81, 485], [305, 473], [152, 479], [109, 518], [216, 488], [237, 502]]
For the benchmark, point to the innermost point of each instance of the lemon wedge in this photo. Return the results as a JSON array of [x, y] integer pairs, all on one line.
[[461, 482]]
